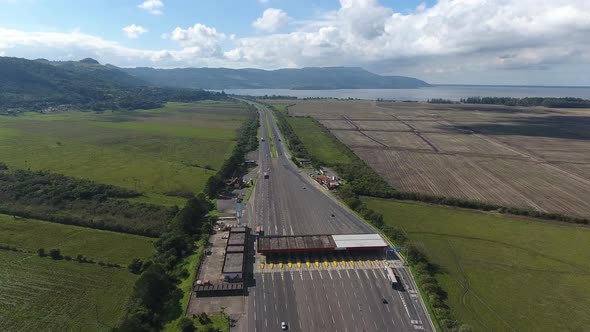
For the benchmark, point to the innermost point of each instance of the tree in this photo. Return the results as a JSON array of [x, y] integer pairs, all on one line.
[[152, 287], [186, 325], [55, 254], [135, 266], [204, 318]]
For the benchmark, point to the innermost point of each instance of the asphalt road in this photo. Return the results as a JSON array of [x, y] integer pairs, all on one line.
[[333, 299]]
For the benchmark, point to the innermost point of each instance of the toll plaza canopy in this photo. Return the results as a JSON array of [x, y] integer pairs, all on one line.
[[312, 243]]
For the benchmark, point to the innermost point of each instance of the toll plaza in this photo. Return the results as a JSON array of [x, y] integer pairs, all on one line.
[[323, 251]]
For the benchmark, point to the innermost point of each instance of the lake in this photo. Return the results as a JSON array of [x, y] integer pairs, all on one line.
[[451, 92]]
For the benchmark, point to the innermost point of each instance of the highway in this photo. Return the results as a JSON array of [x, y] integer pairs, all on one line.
[[325, 298]]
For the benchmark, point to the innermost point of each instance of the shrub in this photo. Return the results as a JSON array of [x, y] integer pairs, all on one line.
[[41, 252], [186, 325]]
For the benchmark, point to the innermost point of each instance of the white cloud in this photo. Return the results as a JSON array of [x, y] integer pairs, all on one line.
[[134, 31], [271, 20], [200, 38], [152, 6]]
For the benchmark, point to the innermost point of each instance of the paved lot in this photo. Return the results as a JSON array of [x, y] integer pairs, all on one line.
[[331, 300], [212, 264]]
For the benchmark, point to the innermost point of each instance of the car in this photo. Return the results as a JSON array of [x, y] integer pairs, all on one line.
[[384, 301], [225, 237], [333, 215], [284, 326]]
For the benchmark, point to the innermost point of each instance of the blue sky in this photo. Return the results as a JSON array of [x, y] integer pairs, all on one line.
[[440, 41]]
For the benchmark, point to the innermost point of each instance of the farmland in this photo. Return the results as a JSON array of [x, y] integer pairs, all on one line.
[[534, 157], [502, 273], [111, 247], [41, 294], [157, 152]]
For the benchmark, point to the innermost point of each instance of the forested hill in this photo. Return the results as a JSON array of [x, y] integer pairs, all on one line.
[[41, 84], [305, 78]]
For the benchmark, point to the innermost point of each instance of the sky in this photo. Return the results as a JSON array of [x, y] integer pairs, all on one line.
[[507, 42]]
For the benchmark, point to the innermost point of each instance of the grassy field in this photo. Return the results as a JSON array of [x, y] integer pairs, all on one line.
[[316, 142], [502, 273], [41, 294], [108, 247], [175, 148]]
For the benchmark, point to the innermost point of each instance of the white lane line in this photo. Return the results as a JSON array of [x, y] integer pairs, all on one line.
[[265, 308], [321, 277], [311, 275], [330, 274], [282, 276], [348, 274]]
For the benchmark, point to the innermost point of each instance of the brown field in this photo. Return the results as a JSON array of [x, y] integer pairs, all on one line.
[[527, 157]]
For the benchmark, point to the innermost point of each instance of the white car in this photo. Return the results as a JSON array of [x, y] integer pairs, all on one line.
[[284, 326]]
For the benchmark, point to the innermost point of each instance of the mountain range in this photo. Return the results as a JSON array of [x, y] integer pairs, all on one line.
[[313, 78]]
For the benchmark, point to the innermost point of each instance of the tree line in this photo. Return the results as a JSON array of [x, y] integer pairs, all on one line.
[[67, 200], [567, 102], [156, 290], [247, 141]]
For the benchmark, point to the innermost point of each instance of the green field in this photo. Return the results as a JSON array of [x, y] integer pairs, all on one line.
[[502, 273], [175, 148], [108, 247], [317, 143], [41, 294]]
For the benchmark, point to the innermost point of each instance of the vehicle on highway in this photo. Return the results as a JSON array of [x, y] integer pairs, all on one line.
[[384, 301], [265, 175], [391, 276], [259, 231], [333, 215], [284, 326]]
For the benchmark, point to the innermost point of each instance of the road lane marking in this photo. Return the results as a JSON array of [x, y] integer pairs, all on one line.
[[311, 275], [321, 277], [330, 274], [348, 274]]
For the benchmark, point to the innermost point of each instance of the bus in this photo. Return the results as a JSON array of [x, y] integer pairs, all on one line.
[[391, 276]]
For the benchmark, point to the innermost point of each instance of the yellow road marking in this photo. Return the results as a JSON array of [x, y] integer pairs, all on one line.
[[326, 263], [343, 263], [272, 265], [307, 263], [317, 264], [262, 266], [290, 264], [299, 264], [281, 265], [361, 263], [352, 263], [335, 263]]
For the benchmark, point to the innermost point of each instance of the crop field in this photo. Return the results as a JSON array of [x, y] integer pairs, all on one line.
[[166, 150], [41, 294], [533, 157], [98, 245], [502, 273]]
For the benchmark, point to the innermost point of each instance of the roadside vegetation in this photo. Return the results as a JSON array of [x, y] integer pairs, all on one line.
[[499, 272], [42, 294], [271, 141]]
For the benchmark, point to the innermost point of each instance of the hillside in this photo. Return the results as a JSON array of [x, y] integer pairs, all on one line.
[[305, 78], [41, 84]]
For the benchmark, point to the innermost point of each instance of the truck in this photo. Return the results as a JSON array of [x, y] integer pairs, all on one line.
[[391, 277], [265, 175], [259, 231]]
